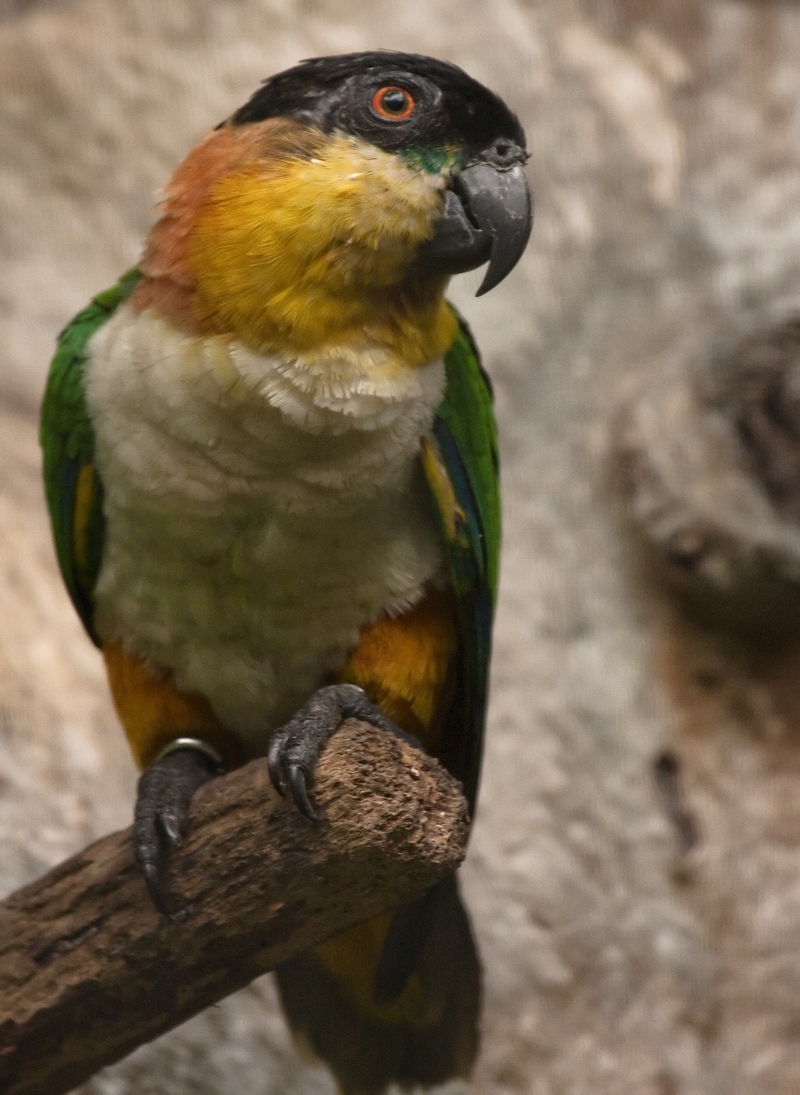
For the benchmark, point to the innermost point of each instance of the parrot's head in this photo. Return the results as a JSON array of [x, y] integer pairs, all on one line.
[[336, 203]]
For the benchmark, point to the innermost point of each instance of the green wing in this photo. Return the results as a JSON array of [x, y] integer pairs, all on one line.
[[72, 486], [461, 465]]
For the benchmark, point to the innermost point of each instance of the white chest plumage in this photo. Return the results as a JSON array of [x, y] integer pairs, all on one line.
[[260, 512]]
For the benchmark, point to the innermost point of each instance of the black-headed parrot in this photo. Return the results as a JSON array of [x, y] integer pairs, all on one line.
[[271, 467]]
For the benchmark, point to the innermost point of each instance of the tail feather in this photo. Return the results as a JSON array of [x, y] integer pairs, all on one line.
[[418, 1021]]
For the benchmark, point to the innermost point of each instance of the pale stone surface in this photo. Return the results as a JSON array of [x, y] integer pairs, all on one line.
[[666, 169]]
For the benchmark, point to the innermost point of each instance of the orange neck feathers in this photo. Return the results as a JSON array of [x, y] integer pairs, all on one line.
[[169, 284]]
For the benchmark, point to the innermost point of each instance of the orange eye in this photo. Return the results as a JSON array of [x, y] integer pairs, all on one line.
[[393, 103]]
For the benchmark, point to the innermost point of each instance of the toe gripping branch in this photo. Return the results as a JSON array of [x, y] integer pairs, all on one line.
[[295, 747], [164, 793]]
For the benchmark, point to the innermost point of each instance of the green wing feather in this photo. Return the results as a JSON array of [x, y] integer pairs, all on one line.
[[73, 488], [461, 464]]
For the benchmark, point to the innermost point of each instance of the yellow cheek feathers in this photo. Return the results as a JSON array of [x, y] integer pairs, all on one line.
[[298, 253]]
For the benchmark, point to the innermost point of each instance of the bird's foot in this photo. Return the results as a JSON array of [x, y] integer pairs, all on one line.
[[163, 795], [295, 747]]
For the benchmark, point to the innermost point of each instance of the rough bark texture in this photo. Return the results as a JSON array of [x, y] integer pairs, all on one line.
[[89, 970], [665, 141]]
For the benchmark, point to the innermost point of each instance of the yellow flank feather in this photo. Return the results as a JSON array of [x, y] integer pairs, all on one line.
[[439, 480], [85, 491], [301, 254], [153, 711], [403, 664]]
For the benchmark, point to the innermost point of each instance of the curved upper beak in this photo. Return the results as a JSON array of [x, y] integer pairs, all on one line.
[[486, 215]]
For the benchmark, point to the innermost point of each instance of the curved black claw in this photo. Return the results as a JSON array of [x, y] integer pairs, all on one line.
[[295, 747], [163, 795]]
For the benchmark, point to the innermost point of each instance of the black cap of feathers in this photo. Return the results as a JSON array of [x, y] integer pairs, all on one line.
[[336, 93]]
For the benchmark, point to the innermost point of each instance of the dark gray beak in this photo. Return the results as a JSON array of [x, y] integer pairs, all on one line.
[[486, 216]]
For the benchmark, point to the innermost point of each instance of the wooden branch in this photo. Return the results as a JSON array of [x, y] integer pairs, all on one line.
[[89, 970]]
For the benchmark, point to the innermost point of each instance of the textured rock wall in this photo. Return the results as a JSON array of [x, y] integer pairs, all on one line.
[[621, 957]]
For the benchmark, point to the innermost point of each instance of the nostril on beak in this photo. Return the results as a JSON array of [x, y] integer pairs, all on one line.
[[505, 153]]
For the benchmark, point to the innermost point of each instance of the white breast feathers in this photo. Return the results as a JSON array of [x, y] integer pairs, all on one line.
[[260, 512]]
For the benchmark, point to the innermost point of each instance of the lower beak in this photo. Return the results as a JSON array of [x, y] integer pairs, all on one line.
[[487, 216]]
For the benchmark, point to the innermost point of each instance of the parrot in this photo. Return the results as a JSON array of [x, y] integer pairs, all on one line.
[[271, 468]]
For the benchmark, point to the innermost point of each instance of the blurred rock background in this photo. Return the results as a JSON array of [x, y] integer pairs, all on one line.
[[639, 937]]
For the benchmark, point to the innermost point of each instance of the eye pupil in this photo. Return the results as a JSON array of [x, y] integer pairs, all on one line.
[[392, 102]]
